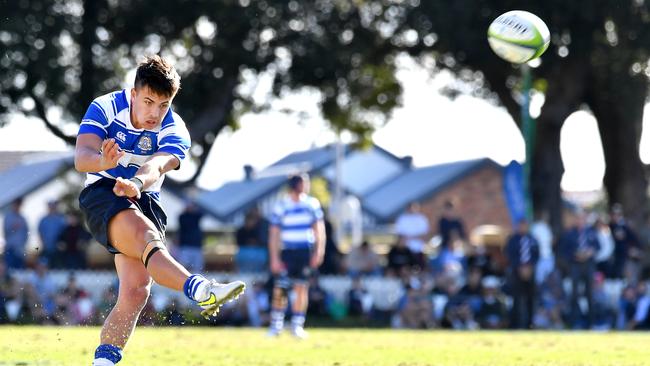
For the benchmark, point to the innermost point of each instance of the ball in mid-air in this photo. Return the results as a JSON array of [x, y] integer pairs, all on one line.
[[518, 36]]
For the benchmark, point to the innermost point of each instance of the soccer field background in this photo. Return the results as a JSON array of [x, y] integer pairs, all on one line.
[[209, 346]]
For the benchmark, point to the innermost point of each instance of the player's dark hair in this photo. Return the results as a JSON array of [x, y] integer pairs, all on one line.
[[296, 180], [159, 75]]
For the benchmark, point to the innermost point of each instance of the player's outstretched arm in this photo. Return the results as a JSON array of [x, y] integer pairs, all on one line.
[[319, 249], [92, 154], [149, 173]]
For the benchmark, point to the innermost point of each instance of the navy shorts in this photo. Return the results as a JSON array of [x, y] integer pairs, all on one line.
[[297, 266], [99, 204]]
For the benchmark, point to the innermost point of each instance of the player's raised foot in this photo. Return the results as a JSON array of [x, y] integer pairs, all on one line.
[[299, 332], [220, 293]]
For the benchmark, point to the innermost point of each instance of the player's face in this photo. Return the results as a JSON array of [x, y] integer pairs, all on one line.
[[148, 108]]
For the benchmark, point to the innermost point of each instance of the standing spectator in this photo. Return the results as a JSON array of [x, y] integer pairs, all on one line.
[[190, 238], [15, 230], [644, 241], [578, 247], [252, 241], [332, 261], [603, 258], [541, 231], [413, 225], [72, 243], [363, 260], [522, 252], [627, 252], [450, 223], [50, 228]]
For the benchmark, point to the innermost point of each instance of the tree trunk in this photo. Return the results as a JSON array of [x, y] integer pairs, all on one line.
[[563, 97], [617, 102]]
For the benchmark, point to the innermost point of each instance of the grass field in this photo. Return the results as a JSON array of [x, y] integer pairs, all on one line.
[[233, 346]]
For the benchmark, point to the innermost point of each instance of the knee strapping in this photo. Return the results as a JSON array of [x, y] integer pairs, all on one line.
[[150, 249]]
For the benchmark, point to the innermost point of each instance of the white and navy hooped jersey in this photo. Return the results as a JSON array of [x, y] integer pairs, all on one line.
[[109, 116], [296, 220]]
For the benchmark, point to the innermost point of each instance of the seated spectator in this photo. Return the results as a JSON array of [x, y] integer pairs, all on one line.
[[363, 260], [400, 259], [552, 303], [258, 303], [45, 287], [252, 241], [451, 255], [319, 299], [458, 313], [415, 310], [627, 308], [493, 312], [603, 317], [641, 320], [359, 300], [472, 290]]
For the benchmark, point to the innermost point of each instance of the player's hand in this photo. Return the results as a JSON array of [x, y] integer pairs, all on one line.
[[276, 266], [126, 188], [110, 155]]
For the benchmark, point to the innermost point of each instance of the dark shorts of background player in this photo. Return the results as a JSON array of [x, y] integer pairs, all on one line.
[[297, 266], [99, 204]]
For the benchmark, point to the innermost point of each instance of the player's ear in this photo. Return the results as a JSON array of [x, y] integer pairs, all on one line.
[[133, 93]]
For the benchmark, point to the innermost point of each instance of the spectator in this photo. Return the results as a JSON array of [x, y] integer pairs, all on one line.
[[413, 226], [319, 299], [72, 243], [252, 240], [416, 308], [552, 300], [541, 231], [50, 228], [359, 300], [472, 290], [190, 238], [522, 252], [603, 258], [457, 313], [400, 259], [641, 320], [332, 262], [627, 308], [493, 312], [450, 223], [644, 240], [603, 315], [363, 260], [258, 305], [45, 287], [627, 254], [15, 231], [451, 256], [578, 247]]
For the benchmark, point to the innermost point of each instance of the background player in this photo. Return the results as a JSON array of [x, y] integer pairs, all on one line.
[[296, 249]]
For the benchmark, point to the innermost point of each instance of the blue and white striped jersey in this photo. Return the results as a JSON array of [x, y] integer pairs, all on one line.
[[109, 116], [295, 220]]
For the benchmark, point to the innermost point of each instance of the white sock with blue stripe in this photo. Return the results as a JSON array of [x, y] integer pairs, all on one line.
[[196, 288]]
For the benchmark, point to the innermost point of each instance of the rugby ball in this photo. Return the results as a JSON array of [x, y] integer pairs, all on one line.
[[518, 36]]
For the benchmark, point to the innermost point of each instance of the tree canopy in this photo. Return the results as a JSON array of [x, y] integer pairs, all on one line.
[[59, 55]]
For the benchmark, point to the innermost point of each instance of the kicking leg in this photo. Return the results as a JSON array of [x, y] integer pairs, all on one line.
[[134, 235]]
